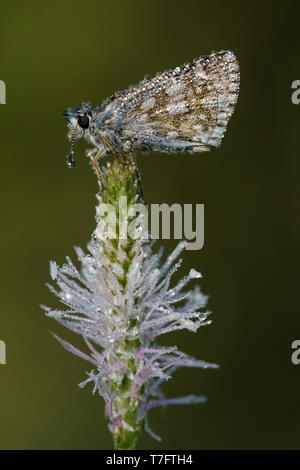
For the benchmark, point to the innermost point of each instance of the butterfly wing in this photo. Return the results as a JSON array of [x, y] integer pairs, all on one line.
[[183, 110]]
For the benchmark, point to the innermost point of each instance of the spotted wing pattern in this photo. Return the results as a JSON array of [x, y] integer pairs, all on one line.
[[182, 110]]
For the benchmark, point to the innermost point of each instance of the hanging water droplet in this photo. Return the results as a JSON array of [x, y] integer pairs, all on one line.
[[194, 274]]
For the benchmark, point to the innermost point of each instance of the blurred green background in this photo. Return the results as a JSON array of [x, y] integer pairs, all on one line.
[[58, 54]]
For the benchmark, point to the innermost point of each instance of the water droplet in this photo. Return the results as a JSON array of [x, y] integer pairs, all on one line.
[[194, 274]]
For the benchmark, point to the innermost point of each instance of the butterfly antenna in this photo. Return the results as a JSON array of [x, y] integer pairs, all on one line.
[[70, 161]]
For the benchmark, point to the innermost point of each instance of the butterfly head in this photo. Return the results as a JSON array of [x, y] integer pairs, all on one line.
[[79, 122]]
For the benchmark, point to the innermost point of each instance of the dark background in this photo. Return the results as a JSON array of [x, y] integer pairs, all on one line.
[[58, 54]]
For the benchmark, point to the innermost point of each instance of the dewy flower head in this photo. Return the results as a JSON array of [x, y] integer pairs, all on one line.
[[120, 301]]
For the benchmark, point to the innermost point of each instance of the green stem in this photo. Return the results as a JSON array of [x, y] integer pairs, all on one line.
[[121, 178]]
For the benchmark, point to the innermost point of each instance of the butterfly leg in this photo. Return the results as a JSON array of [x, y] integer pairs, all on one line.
[[124, 152], [94, 157], [137, 172]]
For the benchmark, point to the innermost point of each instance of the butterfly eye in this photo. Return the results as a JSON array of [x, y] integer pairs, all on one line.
[[83, 121]]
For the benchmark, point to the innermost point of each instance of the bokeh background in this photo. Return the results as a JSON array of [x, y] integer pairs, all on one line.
[[58, 54]]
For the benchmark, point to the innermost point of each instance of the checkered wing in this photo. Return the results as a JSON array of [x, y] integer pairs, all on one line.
[[183, 110]]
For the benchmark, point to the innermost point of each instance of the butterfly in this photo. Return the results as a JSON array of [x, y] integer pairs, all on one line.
[[183, 110]]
